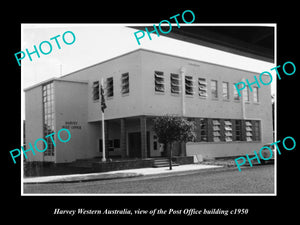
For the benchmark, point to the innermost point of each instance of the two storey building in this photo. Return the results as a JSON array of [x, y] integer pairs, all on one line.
[[139, 86]]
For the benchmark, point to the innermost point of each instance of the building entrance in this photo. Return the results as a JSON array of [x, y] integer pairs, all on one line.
[[134, 145]]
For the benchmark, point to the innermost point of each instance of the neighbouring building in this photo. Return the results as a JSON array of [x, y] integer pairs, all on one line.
[[139, 86]]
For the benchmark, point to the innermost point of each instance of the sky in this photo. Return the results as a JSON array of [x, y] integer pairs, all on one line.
[[98, 42]]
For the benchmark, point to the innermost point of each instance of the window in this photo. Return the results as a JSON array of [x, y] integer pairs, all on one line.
[[159, 81], [155, 142], [116, 143], [110, 87], [256, 130], [202, 89], [235, 92], [175, 85], [255, 94], [214, 88], [48, 117], [189, 85], [228, 130], [125, 83], [238, 130], [246, 94], [110, 145], [225, 90], [96, 90], [216, 130], [203, 129], [249, 134]]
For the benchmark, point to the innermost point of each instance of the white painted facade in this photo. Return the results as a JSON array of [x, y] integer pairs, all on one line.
[[126, 114]]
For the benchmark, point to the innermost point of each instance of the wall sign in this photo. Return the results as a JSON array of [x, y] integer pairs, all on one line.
[[71, 125]]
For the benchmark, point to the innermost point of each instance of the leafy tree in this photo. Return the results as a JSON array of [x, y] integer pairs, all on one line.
[[170, 129]]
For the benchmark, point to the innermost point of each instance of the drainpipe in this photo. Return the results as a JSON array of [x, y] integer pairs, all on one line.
[[182, 74]]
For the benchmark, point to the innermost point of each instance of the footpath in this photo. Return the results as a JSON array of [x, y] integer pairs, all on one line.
[[118, 174]]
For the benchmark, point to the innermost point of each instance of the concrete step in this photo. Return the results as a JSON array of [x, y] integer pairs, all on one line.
[[162, 163]]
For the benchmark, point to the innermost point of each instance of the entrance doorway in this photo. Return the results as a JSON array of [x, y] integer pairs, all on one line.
[[134, 144]]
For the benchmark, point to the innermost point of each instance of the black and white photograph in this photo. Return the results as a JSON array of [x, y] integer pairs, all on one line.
[[179, 109], [165, 116]]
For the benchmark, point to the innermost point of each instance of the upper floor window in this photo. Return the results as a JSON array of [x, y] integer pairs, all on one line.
[[159, 81], [235, 92], [110, 87], [225, 90], [125, 83], [175, 83], [96, 90], [202, 89], [189, 85], [214, 88], [246, 94], [255, 94]]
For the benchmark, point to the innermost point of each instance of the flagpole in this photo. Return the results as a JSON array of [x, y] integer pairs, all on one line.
[[243, 101], [103, 135]]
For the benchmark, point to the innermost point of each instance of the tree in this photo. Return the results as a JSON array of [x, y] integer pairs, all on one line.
[[170, 129]]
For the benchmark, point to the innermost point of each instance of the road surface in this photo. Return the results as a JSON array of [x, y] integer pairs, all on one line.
[[258, 179]]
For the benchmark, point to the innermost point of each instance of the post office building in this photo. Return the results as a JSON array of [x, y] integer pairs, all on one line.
[[139, 86]]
